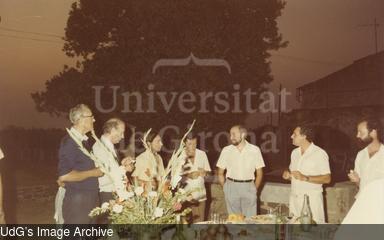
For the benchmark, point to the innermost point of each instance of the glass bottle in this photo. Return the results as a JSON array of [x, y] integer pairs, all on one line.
[[306, 214]]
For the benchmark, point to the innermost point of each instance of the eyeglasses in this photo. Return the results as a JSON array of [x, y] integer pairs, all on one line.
[[89, 116]]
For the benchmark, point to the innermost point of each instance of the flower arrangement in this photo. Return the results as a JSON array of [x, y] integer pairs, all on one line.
[[136, 205]]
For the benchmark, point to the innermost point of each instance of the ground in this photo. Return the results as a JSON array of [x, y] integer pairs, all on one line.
[[36, 212]]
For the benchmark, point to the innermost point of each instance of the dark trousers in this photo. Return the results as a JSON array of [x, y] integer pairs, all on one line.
[[77, 204], [104, 197]]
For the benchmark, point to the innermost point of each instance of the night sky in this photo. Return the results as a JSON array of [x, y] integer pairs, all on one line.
[[323, 36]]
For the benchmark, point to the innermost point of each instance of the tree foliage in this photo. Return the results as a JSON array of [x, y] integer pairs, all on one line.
[[119, 41]]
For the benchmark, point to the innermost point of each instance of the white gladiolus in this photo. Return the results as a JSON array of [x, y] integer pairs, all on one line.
[[182, 191], [175, 180], [125, 195], [152, 194], [117, 208], [105, 205], [158, 212], [139, 191]]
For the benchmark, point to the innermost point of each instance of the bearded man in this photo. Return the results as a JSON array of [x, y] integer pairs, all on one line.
[[369, 163], [241, 160]]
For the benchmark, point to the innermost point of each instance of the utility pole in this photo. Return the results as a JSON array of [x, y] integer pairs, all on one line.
[[375, 25], [279, 106]]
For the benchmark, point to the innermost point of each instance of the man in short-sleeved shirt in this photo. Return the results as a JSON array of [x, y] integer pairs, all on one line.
[[241, 160], [308, 171], [196, 167], [369, 163], [77, 170]]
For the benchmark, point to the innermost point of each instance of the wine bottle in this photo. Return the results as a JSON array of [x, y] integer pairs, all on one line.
[[306, 215]]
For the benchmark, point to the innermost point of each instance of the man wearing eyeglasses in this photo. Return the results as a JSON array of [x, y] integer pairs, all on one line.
[[77, 170]]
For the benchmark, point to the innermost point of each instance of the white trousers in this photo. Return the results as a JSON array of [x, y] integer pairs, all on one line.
[[316, 204]]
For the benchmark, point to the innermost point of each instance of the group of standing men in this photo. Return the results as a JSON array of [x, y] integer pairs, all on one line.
[[86, 186], [308, 170], [239, 168]]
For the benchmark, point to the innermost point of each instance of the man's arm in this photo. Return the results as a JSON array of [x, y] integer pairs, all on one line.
[[259, 177], [221, 176], [286, 175], [77, 176], [319, 179], [354, 177]]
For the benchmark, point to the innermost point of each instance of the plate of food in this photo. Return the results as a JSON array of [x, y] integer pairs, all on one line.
[[263, 219]]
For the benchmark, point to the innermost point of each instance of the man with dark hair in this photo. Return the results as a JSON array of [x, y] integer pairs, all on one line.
[[308, 171], [369, 163], [241, 160], [196, 167]]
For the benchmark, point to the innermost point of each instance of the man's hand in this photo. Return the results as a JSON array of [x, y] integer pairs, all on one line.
[[299, 176], [202, 172], [148, 172], [60, 182], [286, 175], [353, 176], [220, 176], [96, 172], [127, 163]]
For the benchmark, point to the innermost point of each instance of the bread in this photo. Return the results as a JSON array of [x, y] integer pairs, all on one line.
[[236, 218]]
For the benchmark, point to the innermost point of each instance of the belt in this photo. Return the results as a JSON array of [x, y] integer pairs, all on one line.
[[239, 181]]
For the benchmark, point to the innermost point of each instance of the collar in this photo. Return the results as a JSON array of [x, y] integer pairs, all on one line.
[[246, 145], [381, 149], [309, 149], [78, 135], [108, 144]]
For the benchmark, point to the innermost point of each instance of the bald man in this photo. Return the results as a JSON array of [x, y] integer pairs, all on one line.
[[241, 160]]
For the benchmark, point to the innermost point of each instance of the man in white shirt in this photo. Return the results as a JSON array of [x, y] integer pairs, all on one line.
[[241, 160], [369, 163], [308, 171], [113, 133], [196, 167]]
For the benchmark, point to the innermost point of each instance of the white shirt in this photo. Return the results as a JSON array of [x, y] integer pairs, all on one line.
[[1, 154], [147, 160], [369, 169], [369, 206], [313, 162], [241, 165], [200, 161], [106, 153]]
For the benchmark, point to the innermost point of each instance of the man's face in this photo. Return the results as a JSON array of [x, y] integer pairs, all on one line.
[[117, 133], [363, 135], [190, 147], [236, 136], [156, 144], [297, 137], [86, 121]]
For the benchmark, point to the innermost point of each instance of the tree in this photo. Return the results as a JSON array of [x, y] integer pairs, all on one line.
[[118, 42]]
